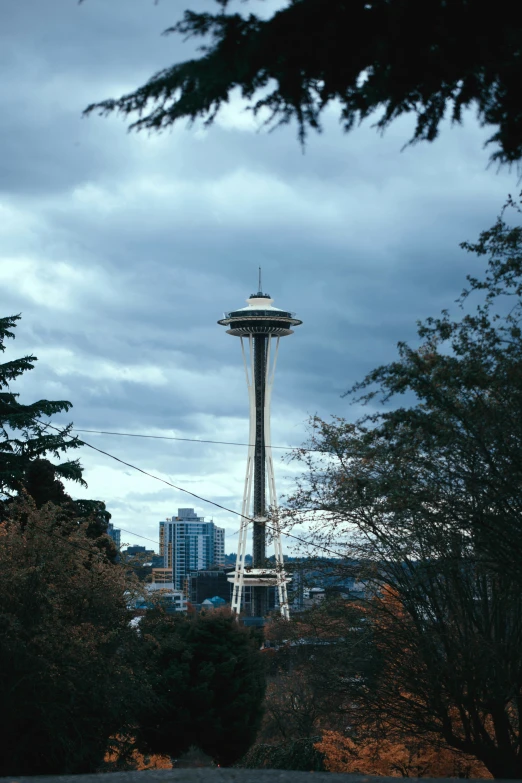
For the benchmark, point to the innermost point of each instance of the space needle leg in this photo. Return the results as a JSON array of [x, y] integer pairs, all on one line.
[[278, 549], [239, 574]]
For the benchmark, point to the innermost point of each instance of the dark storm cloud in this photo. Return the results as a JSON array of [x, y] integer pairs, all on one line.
[[61, 56], [123, 250]]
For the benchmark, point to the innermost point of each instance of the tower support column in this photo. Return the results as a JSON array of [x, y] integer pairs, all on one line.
[[259, 597]]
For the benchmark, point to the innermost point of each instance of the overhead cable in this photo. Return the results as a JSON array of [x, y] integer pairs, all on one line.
[[193, 440], [187, 492]]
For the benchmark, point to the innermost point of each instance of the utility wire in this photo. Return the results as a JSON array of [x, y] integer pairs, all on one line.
[[194, 440], [138, 535], [180, 489], [188, 492]]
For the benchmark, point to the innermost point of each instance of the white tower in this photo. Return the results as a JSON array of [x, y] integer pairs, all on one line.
[[260, 327]]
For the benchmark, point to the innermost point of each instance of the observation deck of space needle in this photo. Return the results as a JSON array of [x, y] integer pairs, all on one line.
[[260, 327]]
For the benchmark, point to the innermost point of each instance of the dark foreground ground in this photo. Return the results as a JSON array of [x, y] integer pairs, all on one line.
[[206, 775]]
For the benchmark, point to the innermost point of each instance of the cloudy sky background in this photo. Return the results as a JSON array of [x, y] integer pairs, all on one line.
[[122, 250]]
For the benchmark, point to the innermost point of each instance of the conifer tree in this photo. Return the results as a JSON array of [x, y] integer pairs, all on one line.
[[27, 445], [26, 442], [208, 678], [432, 59]]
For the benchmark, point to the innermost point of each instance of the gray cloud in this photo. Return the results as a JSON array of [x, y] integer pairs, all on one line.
[[123, 250]]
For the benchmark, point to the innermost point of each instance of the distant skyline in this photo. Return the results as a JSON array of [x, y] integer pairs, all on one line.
[[122, 251]]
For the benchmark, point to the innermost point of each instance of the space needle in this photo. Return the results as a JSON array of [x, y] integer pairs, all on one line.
[[260, 327]]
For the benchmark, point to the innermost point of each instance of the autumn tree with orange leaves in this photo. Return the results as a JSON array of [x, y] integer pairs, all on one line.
[[381, 749], [397, 757]]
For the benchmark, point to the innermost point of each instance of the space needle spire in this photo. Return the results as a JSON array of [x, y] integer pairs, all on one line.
[[260, 327]]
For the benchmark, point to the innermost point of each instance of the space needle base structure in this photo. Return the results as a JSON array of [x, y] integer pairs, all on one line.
[[260, 327]]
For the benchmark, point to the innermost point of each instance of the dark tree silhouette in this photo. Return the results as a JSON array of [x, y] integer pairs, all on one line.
[[25, 440], [69, 658], [26, 443], [208, 676], [430, 59]]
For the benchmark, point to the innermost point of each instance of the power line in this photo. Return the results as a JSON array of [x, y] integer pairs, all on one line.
[[138, 535], [188, 492], [180, 489], [193, 440]]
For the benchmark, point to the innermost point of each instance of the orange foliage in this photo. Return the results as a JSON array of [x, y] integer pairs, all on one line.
[[151, 762], [136, 760], [414, 758], [391, 600]]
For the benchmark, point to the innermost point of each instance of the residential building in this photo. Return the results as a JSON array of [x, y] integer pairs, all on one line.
[[114, 533], [312, 596], [188, 543], [219, 546], [313, 580]]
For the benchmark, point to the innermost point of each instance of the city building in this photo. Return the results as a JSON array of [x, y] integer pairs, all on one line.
[[219, 546], [161, 576], [313, 581], [114, 533], [171, 599], [247, 604], [135, 550], [205, 584], [188, 543], [260, 327]]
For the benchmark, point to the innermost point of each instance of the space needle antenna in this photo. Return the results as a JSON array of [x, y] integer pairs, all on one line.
[[260, 327]]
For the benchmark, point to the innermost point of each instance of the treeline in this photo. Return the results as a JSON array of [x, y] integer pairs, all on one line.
[[83, 686]]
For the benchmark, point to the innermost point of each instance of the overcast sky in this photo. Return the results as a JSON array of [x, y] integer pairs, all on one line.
[[122, 250]]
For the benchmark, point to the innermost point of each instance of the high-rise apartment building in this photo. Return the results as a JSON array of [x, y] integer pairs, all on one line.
[[114, 533], [188, 543]]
